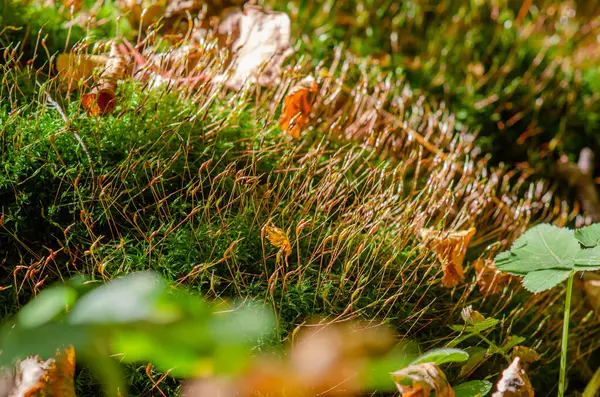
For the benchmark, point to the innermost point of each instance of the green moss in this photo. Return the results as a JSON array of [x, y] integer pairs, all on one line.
[[185, 187]]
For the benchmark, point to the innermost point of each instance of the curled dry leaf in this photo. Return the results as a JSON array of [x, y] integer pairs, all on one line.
[[422, 380], [54, 377], [102, 98], [451, 248], [74, 67], [279, 239], [297, 105], [142, 13], [514, 382], [489, 279], [180, 8], [261, 45], [526, 355]]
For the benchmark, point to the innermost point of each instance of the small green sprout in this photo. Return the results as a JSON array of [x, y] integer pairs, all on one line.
[[546, 255]]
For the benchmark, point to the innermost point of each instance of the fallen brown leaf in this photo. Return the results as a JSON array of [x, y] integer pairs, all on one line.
[[526, 355], [489, 279], [74, 67], [101, 99], [297, 105], [451, 248], [422, 380], [261, 43], [142, 13], [180, 8], [514, 382]]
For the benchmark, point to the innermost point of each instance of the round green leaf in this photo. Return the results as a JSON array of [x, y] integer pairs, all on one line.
[[543, 280], [124, 300], [442, 356], [47, 305], [589, 236], [588, 259], [542, 247], [474, 388]]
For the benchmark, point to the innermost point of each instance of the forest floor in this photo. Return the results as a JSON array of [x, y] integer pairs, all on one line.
[[424, 123]]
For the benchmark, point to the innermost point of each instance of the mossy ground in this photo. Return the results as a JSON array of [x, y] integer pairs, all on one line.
[[184, 184]]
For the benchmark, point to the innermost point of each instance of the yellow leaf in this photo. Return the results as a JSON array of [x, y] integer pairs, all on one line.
[[422, 380], [451, 248], [278, 238]]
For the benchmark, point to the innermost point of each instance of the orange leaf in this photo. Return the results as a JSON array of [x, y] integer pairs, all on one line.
[[297, 105], [54, 377], [422, 380], [451, 248], [101, 99]]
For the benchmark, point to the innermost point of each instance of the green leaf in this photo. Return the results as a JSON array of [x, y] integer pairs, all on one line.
[[543, 280], [246, 323], [482, 325], [442, 356], [124, 300], [542, 247], [477, 356], [376, 372], [166, 355], [513, 340], [19, 342], [588, 259], [474, 388], [46, 306], [105, 368], [589, 236]]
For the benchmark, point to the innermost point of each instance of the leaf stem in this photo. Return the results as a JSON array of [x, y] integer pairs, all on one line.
[[565, 337]]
